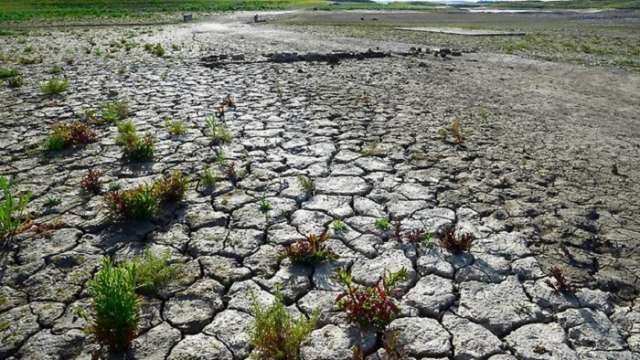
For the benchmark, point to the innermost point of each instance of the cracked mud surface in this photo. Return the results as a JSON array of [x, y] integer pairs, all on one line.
[[533, 182]]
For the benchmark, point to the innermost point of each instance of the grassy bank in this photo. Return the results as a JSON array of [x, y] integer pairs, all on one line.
[[21, 10], [569, 4]]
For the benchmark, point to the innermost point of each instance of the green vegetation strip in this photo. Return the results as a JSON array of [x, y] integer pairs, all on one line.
[[11, 10]]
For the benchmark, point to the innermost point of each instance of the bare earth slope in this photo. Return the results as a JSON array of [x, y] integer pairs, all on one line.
[[533, 181]]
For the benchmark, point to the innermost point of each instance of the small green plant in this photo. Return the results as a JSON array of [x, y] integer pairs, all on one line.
[[6, 73], [172, 187], [372, 149], [217, 131], [373, 306], [175, 127], [311, 250], [134, 147], [51, 202], [484, 114], [63, 136], [115, 307], [275, 334], [419, 236], [24, 60], [15, 82], [115, 186], [265, 205], [455, 130], [56, 69], [221, 159], [151, 271], [339, 226], [115, 111], [141, 203], [307, 184], [382, 224], [54, 86], [207, 178], [91, 182], [156, 49], [12, 208]]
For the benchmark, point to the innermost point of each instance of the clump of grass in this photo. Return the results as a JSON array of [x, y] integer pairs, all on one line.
[[207, 179], [51, 202], [151, 271], [373, 306], [54, 86], [307, 184], [264, 204], [218, 132], [275, 334], [12, 208], [339, 226], [56, 69], [6, 73], [63, 136], [141, 203], [311, 250], [420, 237], [454, 130], [134, 147], [15, 82], [91, 182], [172, 187], [115, 111], [24, 60], [175, 127], [484, 114], [456, 243], [156, 49], [372, 149], [115, 307], [221, 159], [382, 224]]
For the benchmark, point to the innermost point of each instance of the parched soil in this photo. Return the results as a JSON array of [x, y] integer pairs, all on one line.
[[547, 175]]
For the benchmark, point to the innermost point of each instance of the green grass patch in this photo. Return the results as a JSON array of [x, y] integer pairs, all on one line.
[[275, 334], [115, 306], [11, 10]]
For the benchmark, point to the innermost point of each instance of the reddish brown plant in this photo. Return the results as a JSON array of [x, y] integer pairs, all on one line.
[[456, 243], [310, 250], [91, 182], [562, 283], [373, 306]]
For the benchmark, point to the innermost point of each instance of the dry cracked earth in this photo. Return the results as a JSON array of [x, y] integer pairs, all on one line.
[[533, 182]]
